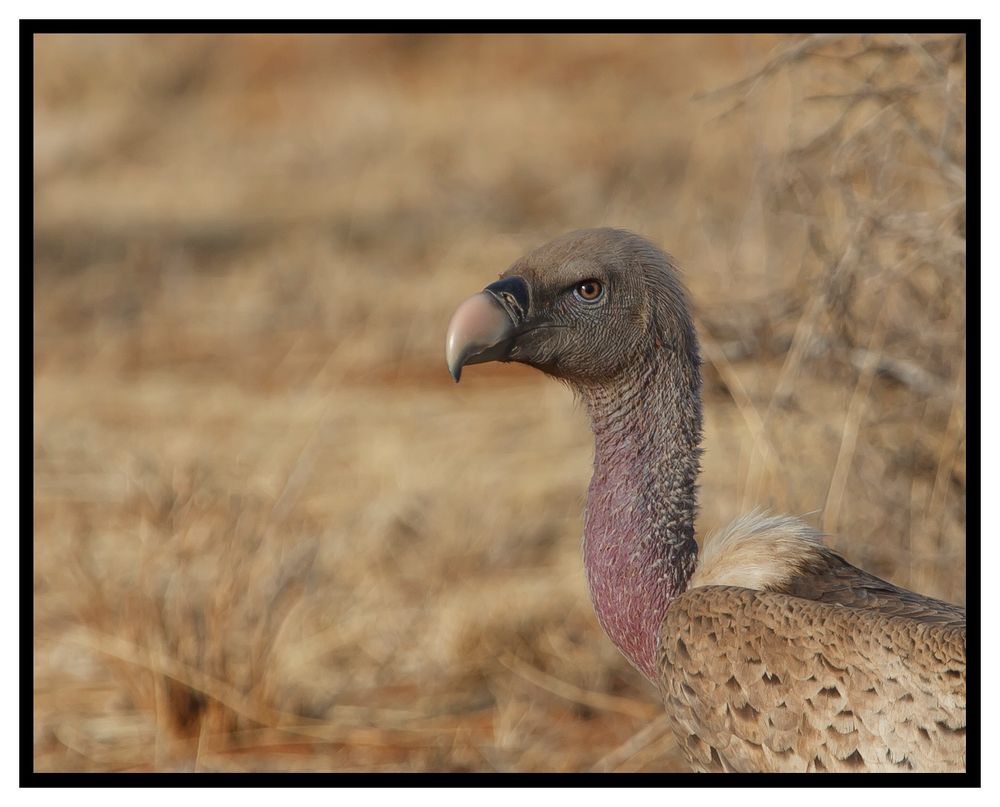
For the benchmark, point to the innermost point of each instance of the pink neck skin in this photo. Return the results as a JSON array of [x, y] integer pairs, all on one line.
[[639, 548]]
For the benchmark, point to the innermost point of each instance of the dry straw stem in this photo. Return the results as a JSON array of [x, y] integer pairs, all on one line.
[[761, 446], [951, 447], [849, 436], [654, 730], [346, 720], [564, 689]]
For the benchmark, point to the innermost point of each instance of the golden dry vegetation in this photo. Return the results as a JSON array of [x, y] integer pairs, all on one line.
[[271, 533]]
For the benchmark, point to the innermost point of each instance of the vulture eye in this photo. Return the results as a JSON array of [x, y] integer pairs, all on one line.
[[590, 291]]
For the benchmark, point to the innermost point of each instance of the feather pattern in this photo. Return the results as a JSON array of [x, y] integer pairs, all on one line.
[[782, 656]]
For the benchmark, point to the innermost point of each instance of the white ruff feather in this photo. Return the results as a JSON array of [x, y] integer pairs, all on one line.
[[757, 551]]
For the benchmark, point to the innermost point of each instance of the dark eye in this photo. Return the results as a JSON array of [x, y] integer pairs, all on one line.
[[589, 291]]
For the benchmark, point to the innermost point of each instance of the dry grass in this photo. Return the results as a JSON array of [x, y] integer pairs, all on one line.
[[270, 533]]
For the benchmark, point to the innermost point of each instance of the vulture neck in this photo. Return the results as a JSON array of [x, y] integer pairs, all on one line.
[[639, 547]]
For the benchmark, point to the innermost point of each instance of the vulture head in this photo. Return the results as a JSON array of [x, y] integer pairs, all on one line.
[[604, 311], [588, 307]]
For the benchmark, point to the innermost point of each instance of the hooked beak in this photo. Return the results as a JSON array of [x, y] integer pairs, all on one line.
[[483, 327]]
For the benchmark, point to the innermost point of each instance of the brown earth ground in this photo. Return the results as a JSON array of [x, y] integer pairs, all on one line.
[[271, 533]]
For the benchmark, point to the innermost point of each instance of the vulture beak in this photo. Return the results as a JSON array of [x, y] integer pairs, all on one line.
[[483, 327]]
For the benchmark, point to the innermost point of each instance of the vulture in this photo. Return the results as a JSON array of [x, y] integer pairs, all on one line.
[[770, 651]]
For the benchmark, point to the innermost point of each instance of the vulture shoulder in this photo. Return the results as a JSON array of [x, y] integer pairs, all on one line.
[[781, 656]]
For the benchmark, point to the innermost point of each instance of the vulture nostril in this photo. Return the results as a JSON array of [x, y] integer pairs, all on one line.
[[511, 300], [512, 293]]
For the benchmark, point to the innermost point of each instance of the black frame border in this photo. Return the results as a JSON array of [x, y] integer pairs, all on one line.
[[28, 28]]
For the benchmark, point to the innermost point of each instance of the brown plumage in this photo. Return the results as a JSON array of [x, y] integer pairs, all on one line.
[[820, 667], [771, 652]]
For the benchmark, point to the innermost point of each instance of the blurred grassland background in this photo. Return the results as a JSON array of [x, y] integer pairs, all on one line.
[[270, 532]]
